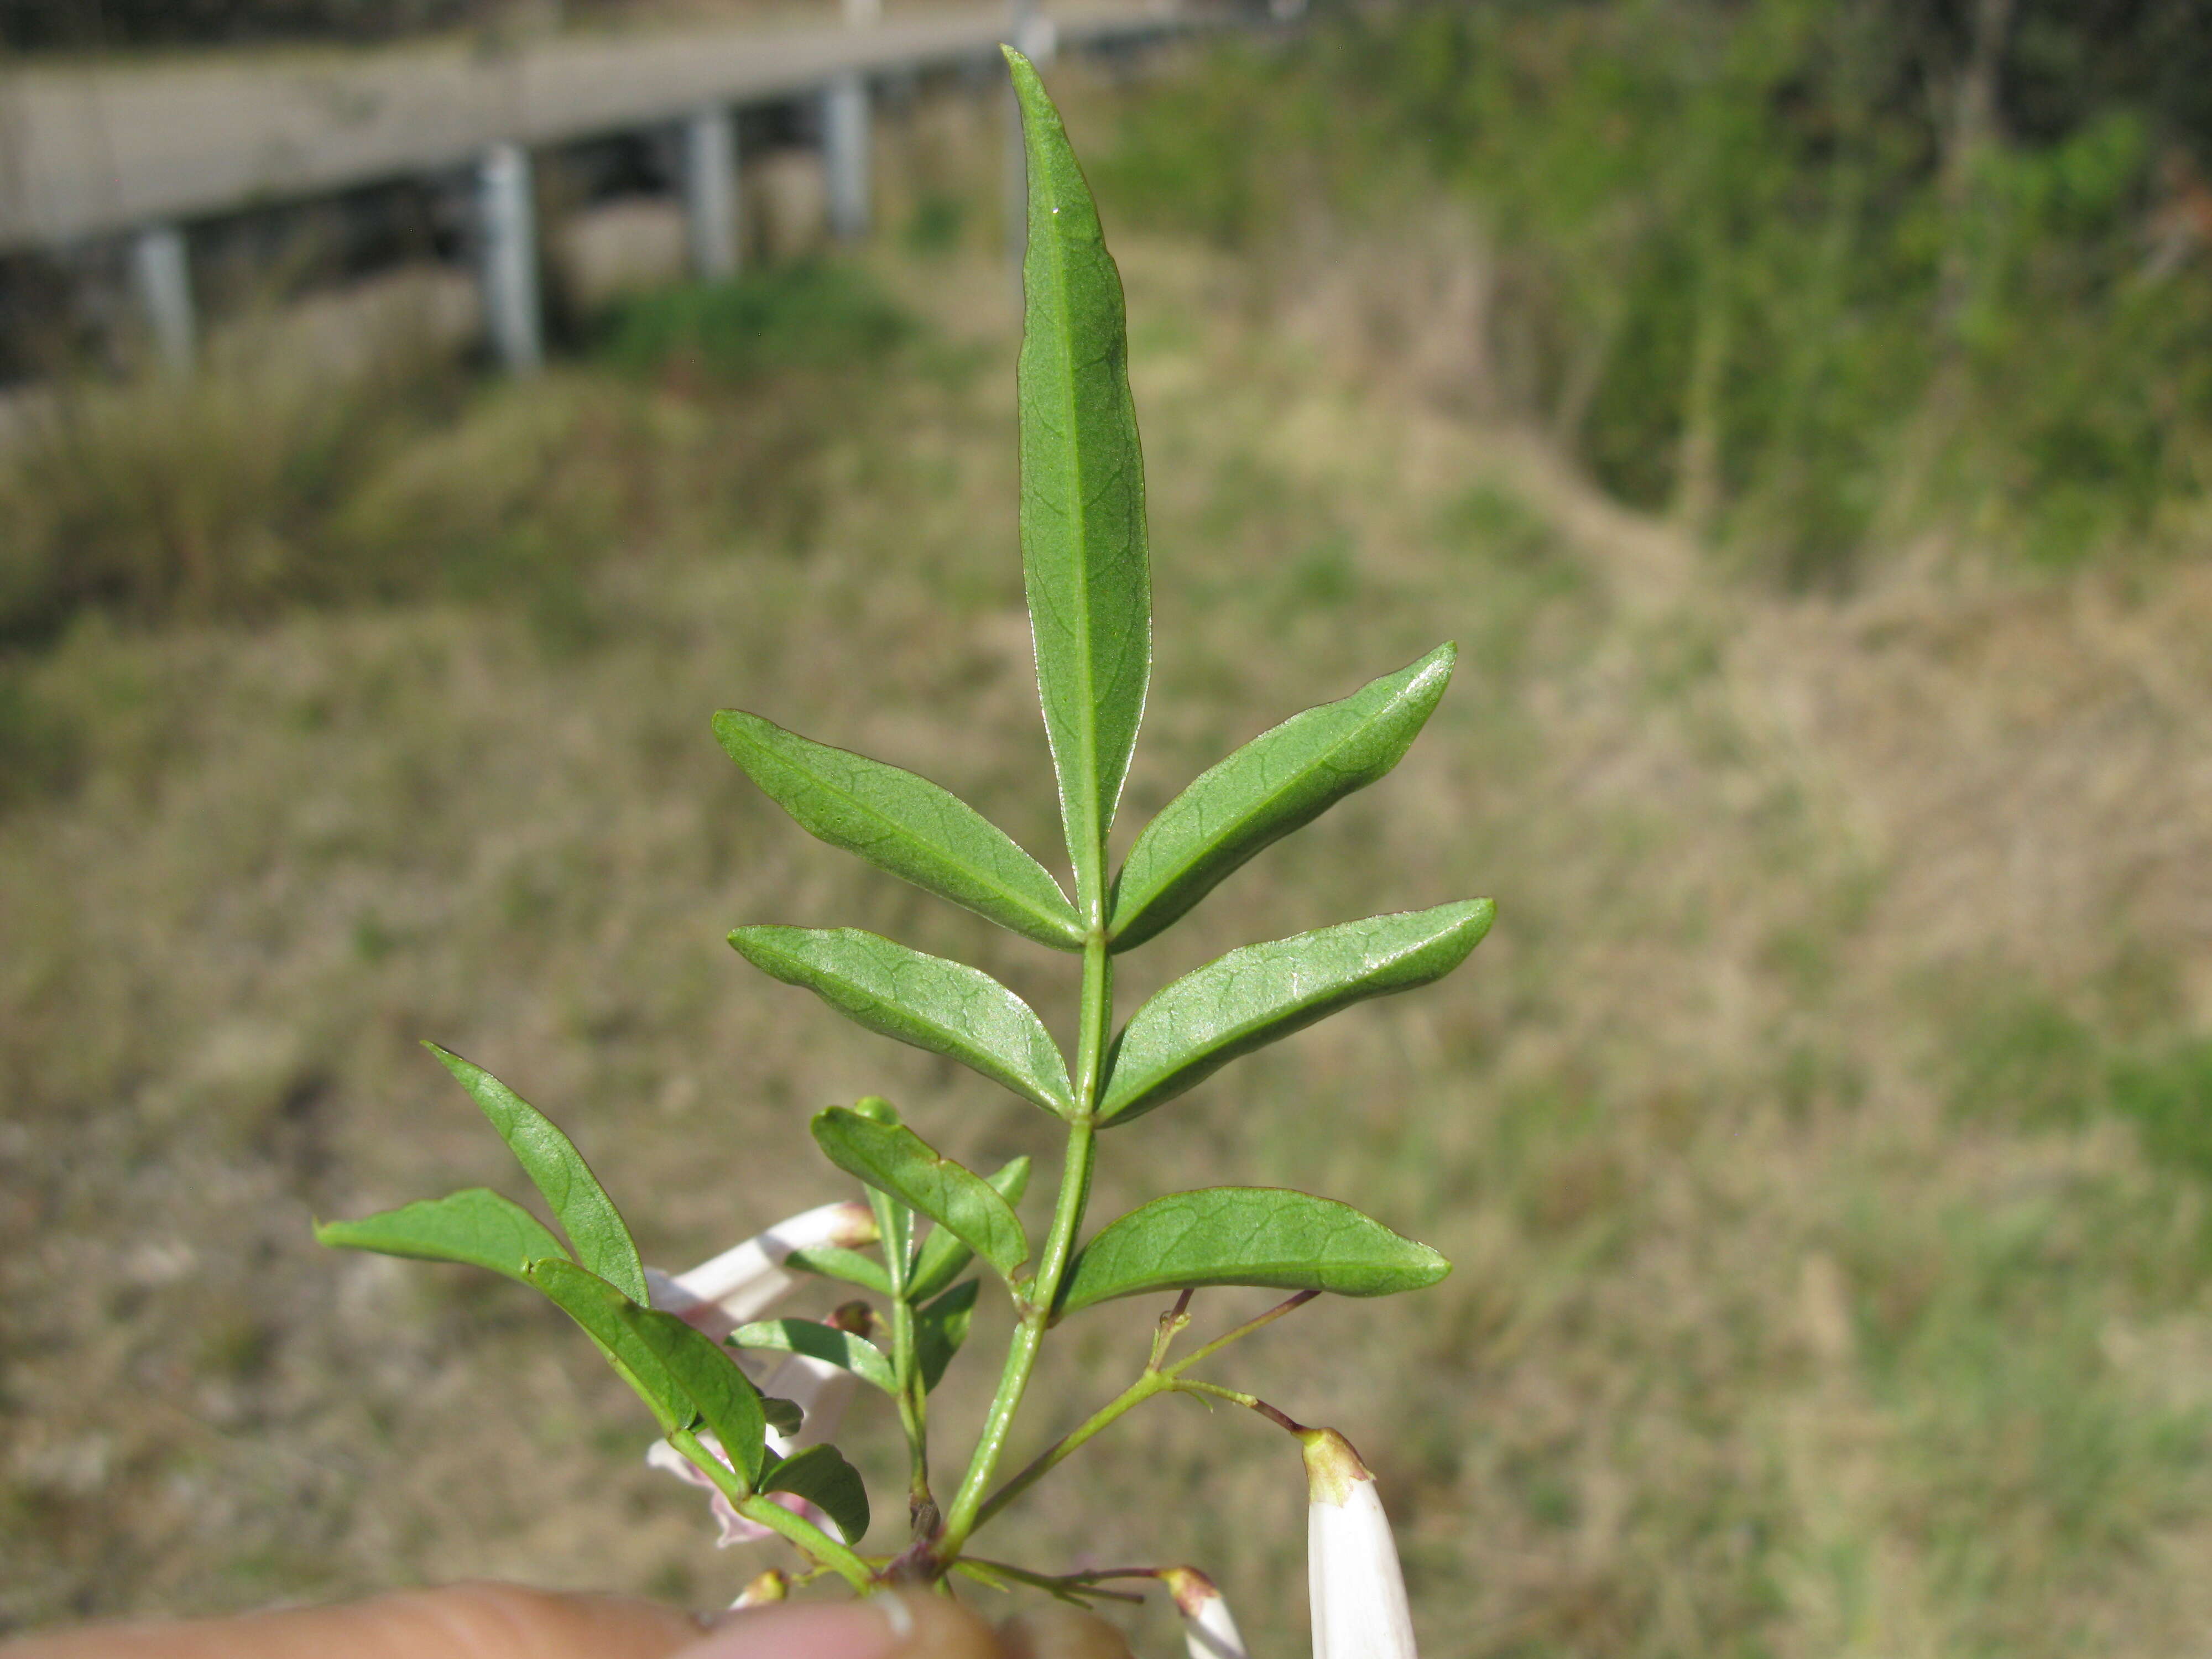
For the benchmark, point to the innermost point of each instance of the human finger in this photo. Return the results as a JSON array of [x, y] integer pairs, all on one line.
[[910, 1625], [460, 1621]]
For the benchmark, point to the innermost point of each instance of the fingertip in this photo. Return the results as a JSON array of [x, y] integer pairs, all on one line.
[[1062, 1632], [909, 1625], [457, 1621]]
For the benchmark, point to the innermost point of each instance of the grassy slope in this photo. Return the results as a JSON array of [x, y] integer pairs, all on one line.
[[1781, 1324]]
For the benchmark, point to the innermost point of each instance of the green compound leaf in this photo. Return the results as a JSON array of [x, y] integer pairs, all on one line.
[[835, 1262], [821, 1475], [940, 1328], [723, 1395], [1254, 996], [551, 1160], [598, 1307], [1084, 558], [478, 1226], [1281, 781], [818, 1341], [903, 823], [1268, 1235], [946, 1007], [943, 1258], [893, 1159]]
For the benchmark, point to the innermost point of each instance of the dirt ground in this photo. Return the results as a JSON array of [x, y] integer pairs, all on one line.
[[1768, 1335]]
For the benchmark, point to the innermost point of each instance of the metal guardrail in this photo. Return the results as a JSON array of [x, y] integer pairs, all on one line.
[[104, 150]]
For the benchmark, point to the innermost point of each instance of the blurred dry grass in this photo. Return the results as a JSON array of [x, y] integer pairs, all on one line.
[[1778, 1328]]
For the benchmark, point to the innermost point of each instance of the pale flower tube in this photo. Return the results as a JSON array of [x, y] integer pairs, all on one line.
[[1359, 1593], [1209, 1629], [740, 1284], [746, 1281]]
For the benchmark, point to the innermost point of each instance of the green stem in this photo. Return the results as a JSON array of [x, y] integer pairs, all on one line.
[[802, 1534], [1037, 1307], [1064, 1583], [912, 1409], [1147, 1384], [1154, 1379]]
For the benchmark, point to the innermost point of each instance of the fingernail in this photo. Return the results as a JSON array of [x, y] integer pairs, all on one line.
[[852, 1629]]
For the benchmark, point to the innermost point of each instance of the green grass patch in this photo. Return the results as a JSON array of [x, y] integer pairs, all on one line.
[[817, 315]]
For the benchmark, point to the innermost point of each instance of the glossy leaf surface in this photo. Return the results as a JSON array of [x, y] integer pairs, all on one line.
[[821, 1475], [1083, 558], [597, 1307], [1282, 780], [722, 1395], [818, 1341], [946, 1007], [893, 1159], [943, 1257], [551, 1161], [1260, 994], [1266, 1235], [478, 1226], [903, 823], [940, 1328]]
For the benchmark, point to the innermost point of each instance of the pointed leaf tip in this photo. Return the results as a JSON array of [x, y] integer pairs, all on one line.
[[1262, 993], [476, 1226], [1279, 782], [553, 1165]]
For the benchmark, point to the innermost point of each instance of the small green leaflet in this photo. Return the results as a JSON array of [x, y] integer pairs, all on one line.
[[893, 1159], [818, 1341], [1281, 781], [821, 1475], [477, 1226], [943, 1258], [783, 1416], [597, 1307], [1254, 996], [946, 1007], [940, 1328], [1083, 558], [903, 823], [835, 1262], [1266, 1235], [722, 1395], [551, 1160]]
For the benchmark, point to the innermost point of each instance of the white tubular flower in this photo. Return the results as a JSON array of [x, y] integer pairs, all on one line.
[[747, 1280], [1359, 1609], [1207, 1629], [740, 1284]]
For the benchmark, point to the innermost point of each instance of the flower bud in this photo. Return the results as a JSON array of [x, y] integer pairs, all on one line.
[[774, 1585], [1359, 1595], [1209, 1629]]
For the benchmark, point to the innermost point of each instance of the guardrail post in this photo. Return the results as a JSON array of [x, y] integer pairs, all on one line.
[[845, 154], [507, 225], [710, 192], [161, 277]]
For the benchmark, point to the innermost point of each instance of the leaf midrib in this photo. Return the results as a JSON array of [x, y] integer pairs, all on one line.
[[1079, 542]]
